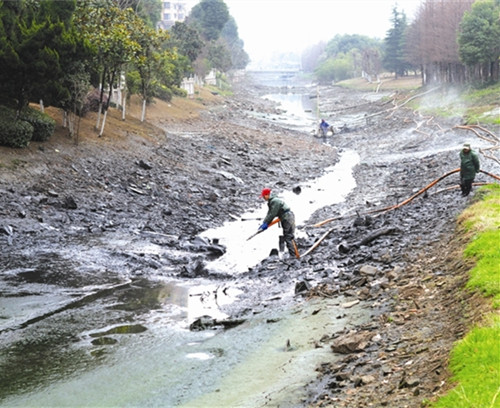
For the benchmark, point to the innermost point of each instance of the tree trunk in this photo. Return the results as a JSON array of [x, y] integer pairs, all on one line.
[[71, 124], [106, 109], [124, 104], [143, 115], [103, 123], [98, 115], [101, 97]]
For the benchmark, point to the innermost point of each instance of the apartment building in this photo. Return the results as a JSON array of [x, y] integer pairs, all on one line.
[[172, 11]]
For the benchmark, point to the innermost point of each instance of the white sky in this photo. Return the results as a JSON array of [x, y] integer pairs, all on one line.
[[269, 26]]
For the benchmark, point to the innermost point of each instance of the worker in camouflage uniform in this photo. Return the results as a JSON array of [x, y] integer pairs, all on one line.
[[278, 208], [469, 166]]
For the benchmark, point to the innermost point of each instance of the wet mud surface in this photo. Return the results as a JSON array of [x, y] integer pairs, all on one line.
[[92, 234]]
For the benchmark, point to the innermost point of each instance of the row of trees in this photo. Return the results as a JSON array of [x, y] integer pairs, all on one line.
[[56, 51], [448, 41], [343, 57]]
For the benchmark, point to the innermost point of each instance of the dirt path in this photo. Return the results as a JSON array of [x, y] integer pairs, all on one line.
[[168, 183]]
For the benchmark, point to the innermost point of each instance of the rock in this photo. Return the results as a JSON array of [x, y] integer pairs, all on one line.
[[194, 270], [6, 230], [351, 343], [70, 203], [368, 270], [344, 248], [409, 382], [302, 286], [348, 305], [367, 379], [230, 176], [342, 376], [143, 165], [203, 323]]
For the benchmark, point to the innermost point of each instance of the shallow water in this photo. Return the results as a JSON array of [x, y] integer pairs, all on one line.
[[300, 111], [241, 254]]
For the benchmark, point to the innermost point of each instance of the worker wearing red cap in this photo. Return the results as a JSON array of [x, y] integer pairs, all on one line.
[[278, 208]]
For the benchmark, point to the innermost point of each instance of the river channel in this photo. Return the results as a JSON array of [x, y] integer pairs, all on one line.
[[88, 358]]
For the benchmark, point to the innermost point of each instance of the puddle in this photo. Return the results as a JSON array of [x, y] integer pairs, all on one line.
[[241, 254], [199, 356]]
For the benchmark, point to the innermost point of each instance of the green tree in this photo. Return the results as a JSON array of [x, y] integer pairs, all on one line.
[[479, 39], [77, 80], [186, 40], [223, 49], [394, 42], [325, 72], [346, 56], [209, 17], [33, 37], [150, 62], [347, 42], [219, 56], [109, 31], [239, 58], [342, 67], [149, 11]]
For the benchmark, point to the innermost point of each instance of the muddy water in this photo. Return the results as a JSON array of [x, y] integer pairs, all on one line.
[[242, 253], [78, 338]]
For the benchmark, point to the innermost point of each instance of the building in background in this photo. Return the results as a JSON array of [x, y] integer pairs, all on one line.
[[172, 11]]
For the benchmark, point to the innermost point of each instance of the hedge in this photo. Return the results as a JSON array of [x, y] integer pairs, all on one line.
[[14, 132]]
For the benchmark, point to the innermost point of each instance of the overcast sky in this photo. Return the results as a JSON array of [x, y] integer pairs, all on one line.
[[267, 26]]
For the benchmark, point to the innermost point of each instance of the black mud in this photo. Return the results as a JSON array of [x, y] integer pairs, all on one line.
[[89, 213]]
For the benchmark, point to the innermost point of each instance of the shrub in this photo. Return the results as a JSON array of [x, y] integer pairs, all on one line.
[[43, 124], [180, 92], [14, 132], [164, 93]]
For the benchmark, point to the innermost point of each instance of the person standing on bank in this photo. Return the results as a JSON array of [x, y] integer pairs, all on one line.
[[278, 208], [469, 166]]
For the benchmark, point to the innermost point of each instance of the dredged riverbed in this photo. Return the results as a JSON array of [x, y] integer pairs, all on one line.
[[84, 337]]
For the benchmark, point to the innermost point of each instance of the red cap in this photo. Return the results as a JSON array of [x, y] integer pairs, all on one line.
[[265, 192]]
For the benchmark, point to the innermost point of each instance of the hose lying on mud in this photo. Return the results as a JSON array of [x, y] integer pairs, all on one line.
[[386, 209], [457, 186]]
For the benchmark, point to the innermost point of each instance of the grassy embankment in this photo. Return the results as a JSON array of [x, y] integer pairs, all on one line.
[[475, 360]]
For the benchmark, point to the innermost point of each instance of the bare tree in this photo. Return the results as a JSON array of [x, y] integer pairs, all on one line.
[[432, 40]]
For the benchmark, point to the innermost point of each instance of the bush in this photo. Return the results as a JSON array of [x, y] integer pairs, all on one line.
[[43, 124], [14, 132], [164, 93], [180, 92]]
